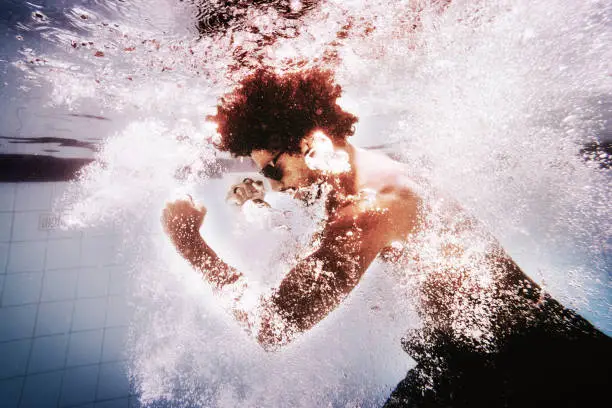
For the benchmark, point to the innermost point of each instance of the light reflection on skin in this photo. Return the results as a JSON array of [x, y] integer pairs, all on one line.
[[366, 212], [472, 295]]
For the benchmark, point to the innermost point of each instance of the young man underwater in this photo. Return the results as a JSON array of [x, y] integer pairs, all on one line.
[[490, 337]]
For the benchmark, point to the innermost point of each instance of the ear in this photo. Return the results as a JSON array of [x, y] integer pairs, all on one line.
[[321, 155]]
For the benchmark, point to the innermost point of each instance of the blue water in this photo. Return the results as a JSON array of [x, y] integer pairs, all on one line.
[[493, 105]]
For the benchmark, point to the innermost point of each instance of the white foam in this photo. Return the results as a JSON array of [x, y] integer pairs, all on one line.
[[490, 101]]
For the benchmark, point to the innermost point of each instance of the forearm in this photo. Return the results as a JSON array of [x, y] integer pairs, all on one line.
[[230, 286], [182, 221], [307, 294], [202, 258], [273, 319]]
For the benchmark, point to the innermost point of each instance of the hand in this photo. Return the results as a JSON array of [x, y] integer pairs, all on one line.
[[246, 190], [182, 221]]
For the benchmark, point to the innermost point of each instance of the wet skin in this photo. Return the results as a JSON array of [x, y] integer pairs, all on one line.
[[370, 207], [358, 228]]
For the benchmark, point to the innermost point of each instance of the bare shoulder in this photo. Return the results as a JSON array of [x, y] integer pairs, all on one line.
[[398, 190], [387, 203], [403, 206], [388, 179], [387, 213]]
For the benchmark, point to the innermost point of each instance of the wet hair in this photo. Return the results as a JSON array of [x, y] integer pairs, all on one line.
[[275, 112]]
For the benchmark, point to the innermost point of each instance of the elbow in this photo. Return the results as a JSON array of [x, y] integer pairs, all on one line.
[[273, 339], [277, 328], [270, 346]]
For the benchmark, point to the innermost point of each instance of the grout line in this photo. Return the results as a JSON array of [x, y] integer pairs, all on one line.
[[68, 332], [10, 244], [103, 332], [28, 211], [95, 402], [108, 281], [57, 370], [98, 377], [53, 301], [23, 241], [8, 260], [3, 268], [70, 268], [49, 237], [75, 237], [74, 304], [35, 317]]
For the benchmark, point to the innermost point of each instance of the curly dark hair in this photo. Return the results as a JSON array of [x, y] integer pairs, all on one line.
[[275, 112]]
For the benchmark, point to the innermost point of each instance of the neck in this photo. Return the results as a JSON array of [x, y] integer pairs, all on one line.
[[344, 185]]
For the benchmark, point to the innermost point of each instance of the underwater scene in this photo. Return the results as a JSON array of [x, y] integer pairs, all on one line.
[[317, 203]]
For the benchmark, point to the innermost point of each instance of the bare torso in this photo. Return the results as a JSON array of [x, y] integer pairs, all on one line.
[[466, 281], [467, 284], [475, 303], [386, 192]]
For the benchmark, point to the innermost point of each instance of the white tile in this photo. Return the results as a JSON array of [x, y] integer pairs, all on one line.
[[59, 228], [54, 318], [4, 251], [58, 191], [89, 314], [61, 232], [113, 348], [33, 196], [26, 227], [48, 353], [7, 196], [17, 322], [113, 381], [14, 357], [6, 221], [93, 282], [22, 288], [10, 391], [85, 348], [79, 386], [116, 403], [59, 285], [63, 253], [26, 256], [98, 251], [118, 312], [99, 230], [41, 390], [119, 280]]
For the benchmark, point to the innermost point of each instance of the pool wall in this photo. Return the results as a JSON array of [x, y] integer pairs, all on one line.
[[64, 312]]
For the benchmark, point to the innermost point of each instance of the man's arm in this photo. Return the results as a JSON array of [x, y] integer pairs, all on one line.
[[309, 292]]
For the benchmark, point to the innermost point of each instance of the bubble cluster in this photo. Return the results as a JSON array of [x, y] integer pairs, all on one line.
[[491, 102]]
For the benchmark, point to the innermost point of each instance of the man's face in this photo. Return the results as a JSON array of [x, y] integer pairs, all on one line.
[[291, 167]]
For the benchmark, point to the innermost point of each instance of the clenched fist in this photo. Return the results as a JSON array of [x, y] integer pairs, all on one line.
[[248, 189], [182, 221]]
